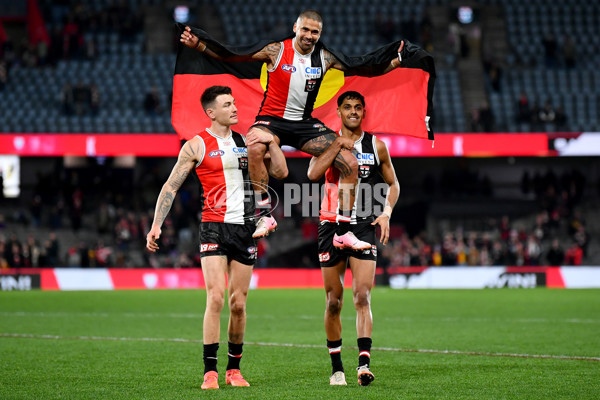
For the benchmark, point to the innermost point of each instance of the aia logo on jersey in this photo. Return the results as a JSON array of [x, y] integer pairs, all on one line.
[[243, 163], [208, 247], [364, 171], [216, 153], [324, 257], [310, 85], [288, 68]]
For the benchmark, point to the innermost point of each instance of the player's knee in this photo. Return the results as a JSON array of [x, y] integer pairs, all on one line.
[[362, 298], [334, 304], [215, 301], [256, 150], [237, 307]]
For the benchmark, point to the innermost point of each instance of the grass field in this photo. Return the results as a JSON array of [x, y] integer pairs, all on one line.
[[479, 344]]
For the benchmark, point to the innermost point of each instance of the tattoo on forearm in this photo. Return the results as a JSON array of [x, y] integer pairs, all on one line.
[[163, 207], [329, 59], [272, 50], [341, 165], [318, 145]]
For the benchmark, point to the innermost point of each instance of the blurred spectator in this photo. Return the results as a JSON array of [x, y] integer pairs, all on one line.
[[569, 52], [573, 255], [94, 100], [3, 75], [523, 110], [152, 102], [82, 97], [486, 117], [67, 100], [547, 114], [556, 255], [493, 74], [550, 51], [384, 28], [560, 119]]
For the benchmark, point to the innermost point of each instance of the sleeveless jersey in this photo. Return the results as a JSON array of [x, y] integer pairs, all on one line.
[[223, 172], [368, 167], [293, 83]]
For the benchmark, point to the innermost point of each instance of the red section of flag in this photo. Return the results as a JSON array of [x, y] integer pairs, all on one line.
[[396, 102], [36, 28], [188, 117]]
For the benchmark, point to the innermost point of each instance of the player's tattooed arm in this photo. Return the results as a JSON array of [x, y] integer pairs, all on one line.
[[190, 154], [269, 53], [331, 61]]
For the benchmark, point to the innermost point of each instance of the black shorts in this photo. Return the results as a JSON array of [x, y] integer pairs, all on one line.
[[329, 255], [232, 240], [293, 133]]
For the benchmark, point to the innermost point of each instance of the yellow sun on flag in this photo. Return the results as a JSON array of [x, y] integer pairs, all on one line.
[[332, 83]]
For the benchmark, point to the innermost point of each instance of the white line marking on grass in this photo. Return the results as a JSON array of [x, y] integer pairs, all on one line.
[[305, 317], [299, 345]]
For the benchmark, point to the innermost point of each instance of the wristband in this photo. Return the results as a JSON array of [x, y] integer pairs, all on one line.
[[198, 45], [387, 215]]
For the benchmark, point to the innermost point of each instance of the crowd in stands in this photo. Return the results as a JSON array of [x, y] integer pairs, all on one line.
[[115, 228]]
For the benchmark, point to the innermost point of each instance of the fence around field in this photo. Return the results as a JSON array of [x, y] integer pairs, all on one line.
[[396, 278]]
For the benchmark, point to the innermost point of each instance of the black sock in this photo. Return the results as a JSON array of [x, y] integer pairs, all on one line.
[[210, 357], [264, 204], [234, 355], [364, 351], [344, 222], [335, 352]]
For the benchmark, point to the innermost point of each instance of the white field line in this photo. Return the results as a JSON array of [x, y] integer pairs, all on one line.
[[307, 317], [297, 345]]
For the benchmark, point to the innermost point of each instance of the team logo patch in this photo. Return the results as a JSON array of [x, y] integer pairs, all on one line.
[[366, 158], [288, 68], [251, 249], [216, 153], [324, 257], [364, 171], [208, 247], [313, 72], [243, 163], [317, 125], [310, 85], [263, 122], [374, 250]]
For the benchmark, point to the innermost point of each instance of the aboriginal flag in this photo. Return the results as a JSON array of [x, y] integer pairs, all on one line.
[[399, 102]]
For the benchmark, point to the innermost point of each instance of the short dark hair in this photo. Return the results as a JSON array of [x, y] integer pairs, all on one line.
[[351, 94], [311, 14], [210, 95]]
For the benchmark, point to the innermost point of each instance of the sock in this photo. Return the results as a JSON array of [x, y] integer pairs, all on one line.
[[264, 204], [210, 357], [234, 355], [335, 352], [364, 351], [344, 222]]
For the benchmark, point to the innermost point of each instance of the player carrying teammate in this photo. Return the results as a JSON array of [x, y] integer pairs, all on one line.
[[296, 68], [228, 251], [373, 159]]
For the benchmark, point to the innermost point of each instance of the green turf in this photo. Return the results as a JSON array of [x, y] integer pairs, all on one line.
[[91, 345]]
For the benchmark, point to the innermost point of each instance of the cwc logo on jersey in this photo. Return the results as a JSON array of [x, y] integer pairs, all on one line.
[[216, 153], [208, 247], [313, 72], [366, 158], [288, 68], [240, 150], [324, 257]]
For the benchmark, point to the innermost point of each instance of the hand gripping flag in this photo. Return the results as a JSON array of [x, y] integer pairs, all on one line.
[[399, 102]]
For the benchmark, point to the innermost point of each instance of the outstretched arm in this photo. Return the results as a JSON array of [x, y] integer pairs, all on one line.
[[389, 176], [190, 154], [331, 61], [319, 165], [268, 53]]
